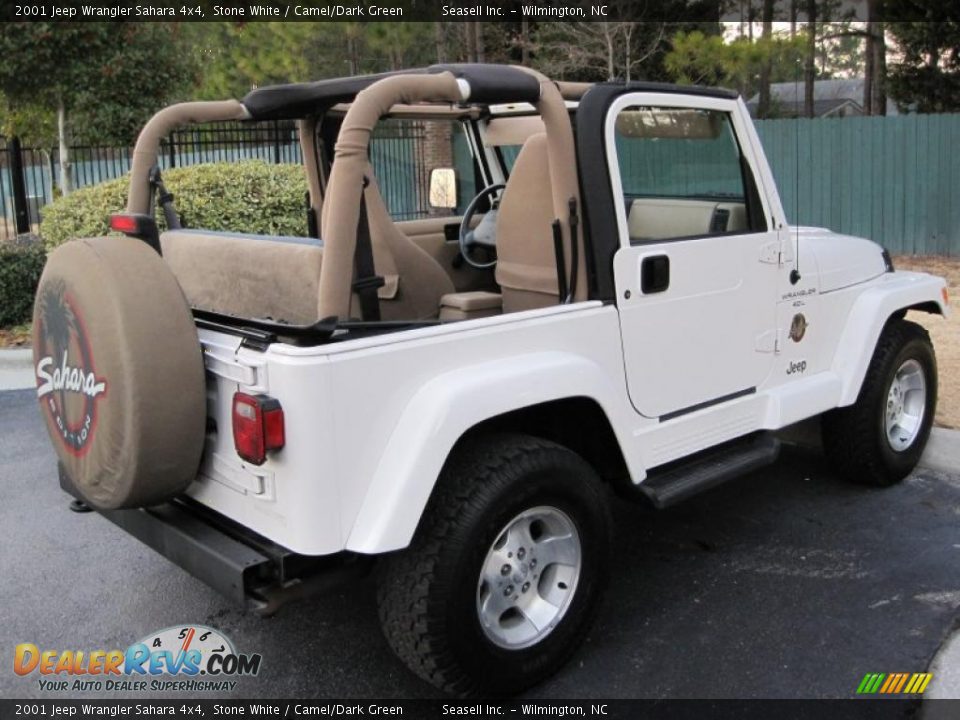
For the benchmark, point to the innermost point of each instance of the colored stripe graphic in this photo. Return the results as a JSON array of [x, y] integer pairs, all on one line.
[[894, 683], [870, 683], [903, 681]]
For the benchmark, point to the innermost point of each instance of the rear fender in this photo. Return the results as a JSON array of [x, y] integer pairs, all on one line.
[[441, 412]]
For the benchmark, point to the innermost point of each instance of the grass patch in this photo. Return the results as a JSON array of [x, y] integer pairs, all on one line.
[[17, 336]]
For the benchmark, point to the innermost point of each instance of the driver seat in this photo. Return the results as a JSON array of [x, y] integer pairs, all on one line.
[[526, 260]]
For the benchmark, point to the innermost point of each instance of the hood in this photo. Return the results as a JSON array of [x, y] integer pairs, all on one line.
[[842, 260]]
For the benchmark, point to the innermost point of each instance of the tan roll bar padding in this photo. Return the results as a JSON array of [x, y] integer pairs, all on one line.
[[564, 182], [162, 124], [573, 90], [341, 205]]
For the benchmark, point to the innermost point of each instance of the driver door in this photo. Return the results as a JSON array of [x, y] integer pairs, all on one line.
[[695, 281]]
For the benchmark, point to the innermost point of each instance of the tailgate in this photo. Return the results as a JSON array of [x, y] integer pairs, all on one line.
[[292, 497]]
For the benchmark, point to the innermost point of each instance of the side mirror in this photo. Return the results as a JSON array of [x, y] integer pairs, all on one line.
[[443, 188]]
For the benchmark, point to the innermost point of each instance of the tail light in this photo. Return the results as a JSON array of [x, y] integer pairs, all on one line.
[[143, 227], [257, 426]]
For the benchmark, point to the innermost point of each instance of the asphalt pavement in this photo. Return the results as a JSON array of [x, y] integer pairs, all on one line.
[[787, 583]]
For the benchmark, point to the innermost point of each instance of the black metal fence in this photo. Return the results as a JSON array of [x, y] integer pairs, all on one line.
[[30, 176]]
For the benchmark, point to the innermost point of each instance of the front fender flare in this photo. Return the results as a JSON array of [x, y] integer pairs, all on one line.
[[868, 316], [440, 413]]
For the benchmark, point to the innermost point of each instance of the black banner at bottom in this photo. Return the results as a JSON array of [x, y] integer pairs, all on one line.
[[865, 709]]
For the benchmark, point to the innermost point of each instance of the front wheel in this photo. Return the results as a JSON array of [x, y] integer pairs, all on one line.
[[502, 579], [879, 439]]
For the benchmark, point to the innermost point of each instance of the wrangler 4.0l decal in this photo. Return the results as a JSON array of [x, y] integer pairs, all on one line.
[[67, 383]]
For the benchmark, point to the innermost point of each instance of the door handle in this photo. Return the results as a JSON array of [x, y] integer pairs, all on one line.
[[654, 274]]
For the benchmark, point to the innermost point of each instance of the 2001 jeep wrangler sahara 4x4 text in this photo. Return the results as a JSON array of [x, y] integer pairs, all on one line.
[[623, 304]]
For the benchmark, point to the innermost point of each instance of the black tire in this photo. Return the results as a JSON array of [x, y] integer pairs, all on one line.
[[855, 438], [427, 593]]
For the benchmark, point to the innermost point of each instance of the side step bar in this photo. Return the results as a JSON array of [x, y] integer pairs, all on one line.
[[678, 481]]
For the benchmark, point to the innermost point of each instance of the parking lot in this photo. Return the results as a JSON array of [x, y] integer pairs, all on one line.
[[785, 584]]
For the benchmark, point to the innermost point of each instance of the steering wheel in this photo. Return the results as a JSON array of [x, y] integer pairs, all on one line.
[[485, 233]]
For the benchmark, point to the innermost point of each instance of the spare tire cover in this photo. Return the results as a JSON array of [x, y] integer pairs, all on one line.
[[120, 375]]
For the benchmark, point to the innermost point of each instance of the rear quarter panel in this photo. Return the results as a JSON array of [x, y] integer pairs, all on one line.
[[370, 422]]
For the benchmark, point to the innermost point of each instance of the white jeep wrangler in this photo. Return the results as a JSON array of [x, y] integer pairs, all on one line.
[[622, 305]]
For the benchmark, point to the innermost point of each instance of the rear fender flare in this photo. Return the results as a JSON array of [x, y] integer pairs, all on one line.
[[441, 412]]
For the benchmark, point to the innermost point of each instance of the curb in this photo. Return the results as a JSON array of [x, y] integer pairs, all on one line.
[[945, 669], [943, 451], [16, 359], [16, 369]]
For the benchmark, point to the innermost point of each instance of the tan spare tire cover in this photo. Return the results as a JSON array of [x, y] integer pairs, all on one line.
[[120, 374]]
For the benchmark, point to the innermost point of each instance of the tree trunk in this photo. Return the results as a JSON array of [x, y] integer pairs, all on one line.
[[525, 42], [438, 39], [608, 37], [763, 104], [66, 167], [481, 50], [880, 72], [352, 52], [874, 86], [471, 42], [810, 71], [627, 55], [869, 69]]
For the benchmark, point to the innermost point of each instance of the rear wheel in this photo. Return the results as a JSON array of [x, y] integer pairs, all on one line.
[[502, 579], [879, 439]]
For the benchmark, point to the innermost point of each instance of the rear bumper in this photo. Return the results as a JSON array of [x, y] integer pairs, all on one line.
[[250, 570]]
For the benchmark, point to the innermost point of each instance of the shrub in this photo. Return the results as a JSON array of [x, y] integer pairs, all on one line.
[[250, 196], [20, 268]]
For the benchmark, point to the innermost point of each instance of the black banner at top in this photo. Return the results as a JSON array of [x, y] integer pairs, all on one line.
[[424, 11]]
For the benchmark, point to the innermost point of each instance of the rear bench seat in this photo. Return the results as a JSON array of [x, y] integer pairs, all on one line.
[[252, 276]]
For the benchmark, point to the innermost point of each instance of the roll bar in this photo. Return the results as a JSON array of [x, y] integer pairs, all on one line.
[[147, 149]]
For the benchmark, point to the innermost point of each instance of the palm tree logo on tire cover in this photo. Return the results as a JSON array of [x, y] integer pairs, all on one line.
[[67, 384]]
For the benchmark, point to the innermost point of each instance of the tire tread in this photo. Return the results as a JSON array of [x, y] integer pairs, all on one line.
[[850, 436], [408, 580]]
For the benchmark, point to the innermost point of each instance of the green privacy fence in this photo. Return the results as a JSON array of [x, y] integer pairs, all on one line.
[[895, 180]]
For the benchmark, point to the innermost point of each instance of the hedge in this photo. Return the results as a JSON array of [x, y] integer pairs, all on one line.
[[250, 196], [20, 268]]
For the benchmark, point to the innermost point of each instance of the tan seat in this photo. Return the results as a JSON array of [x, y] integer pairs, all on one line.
[[260, 276], [250, 276], [415, 282], [526, 261]]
